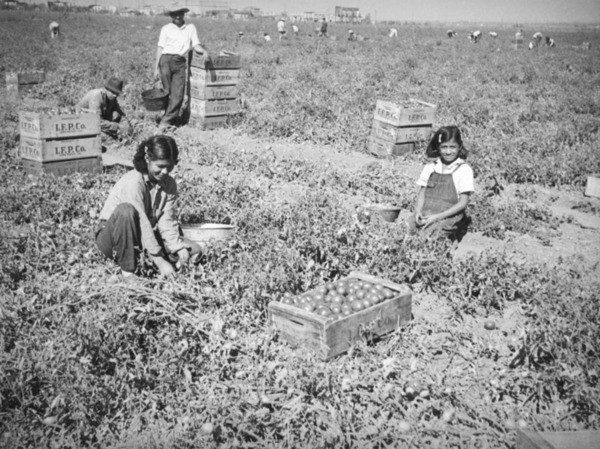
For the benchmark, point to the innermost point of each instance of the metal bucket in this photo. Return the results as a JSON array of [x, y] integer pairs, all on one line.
[[206, 232]]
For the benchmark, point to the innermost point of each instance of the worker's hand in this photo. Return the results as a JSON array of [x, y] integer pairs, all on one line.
[[184, 257], [156, 74], [429, 220], [164, 266]]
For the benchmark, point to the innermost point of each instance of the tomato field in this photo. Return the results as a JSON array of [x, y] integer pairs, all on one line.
[[505, 330]]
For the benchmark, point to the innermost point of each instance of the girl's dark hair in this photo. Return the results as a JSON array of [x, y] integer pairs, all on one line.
[[442, 135], [159, 147]]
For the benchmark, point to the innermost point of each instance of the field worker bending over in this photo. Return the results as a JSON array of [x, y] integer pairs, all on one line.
[[493, 34], [175, 41], [537, 38], [281, 28], [351, 35], [393, 32], [475, 36], [266, 37], [139, 213], [451, 33], [103, 101], [54, 29], [550, 42], [295, 29], [445, 186]]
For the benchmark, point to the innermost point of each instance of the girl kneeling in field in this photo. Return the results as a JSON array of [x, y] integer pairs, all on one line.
[[139, 212], [445, 186]]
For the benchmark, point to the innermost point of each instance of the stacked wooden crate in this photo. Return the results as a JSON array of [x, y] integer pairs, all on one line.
[[213, 90], [23, 81], [60, 144], [396, 127]]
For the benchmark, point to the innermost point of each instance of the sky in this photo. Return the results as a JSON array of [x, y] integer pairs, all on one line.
[[540, 11]]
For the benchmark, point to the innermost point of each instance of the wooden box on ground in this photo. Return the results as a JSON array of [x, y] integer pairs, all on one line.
[[18, 82], [207, 108], [409, 113], [329, 338], [214, 77], [62, 168], [41, 125], [386, 149], [400, 134], [207, 123], [581, 439], [224, 60], [202, 92], [47, 150], [592, 187]]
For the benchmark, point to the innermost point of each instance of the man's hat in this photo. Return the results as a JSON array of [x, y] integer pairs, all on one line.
[[115, 85], [175, 9]]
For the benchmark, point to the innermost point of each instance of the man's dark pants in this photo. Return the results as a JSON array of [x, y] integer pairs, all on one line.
[[173, 75]]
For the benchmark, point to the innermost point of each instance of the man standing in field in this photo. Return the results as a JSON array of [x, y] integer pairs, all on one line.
[[103, 101], [323, 28], [175, 41], [281, 28]]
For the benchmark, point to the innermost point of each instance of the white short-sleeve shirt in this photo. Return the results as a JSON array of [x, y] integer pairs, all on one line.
[[178, 41], [462, 174]]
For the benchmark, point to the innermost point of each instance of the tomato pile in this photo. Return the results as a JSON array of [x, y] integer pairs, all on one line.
[[340, 298]]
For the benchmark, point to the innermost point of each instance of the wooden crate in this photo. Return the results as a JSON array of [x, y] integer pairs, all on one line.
[[386, 149], [41, 125], [410, 113], [400, 134], [208, 108], [47, 150], [207, 123], [592, 187], [62, 168], [224, 60], [581, 439], [19, 82], [329, 338], [203, 92], [217, 77]]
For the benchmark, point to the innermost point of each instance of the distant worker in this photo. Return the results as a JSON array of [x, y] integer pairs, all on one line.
[[451, 33], [550, 42], [351, 35], [175, 42], [281, 28], [323, 28], [493, 34], [537, 38], [518, 38], [393, 32], [295, 29], [103, 101], [266, 37], [240, 35], [54, 29], [475, 36], [586, 45], [531, 45]]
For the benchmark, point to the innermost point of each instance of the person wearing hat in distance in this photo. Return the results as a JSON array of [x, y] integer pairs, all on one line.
[[175, 41], [103, 101]]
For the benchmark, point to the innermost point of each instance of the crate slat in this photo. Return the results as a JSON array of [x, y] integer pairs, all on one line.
[[207, 108], [214, 77], [203, 92], [580, 439], [592, 187], [224, 60], [328, 338], [207, 123], [40, 125], [400, 134], [385, 149], [62, 168], [411, 113], [44, 150]]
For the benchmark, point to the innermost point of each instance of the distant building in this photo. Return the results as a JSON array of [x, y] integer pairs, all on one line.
[[347, 14]]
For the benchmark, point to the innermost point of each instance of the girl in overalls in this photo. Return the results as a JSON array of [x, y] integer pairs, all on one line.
[[445, 186]]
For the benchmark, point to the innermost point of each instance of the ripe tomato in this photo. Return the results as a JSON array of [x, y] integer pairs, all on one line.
[[351, 297], [360, 294], [336, 308], [318, 296], [388, 293], [308, 306], [337, 299], [324, 311], [323, 290], [341, 290], [366, 302], [367, 285], [375, 299], [357, 305]]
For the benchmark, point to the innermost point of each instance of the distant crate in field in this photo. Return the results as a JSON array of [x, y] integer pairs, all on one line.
[[409, 113], [207, 123], [43, 125], [592, 187], [386, 149], [214, 77], [328, 336], [18, 82], [62, 168], [224, 60], [208, 108], [203, 92], [400, 134], [46, 150]]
